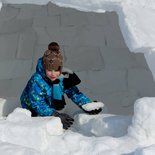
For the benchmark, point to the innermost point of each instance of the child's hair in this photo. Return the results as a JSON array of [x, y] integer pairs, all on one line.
[[54, 46]]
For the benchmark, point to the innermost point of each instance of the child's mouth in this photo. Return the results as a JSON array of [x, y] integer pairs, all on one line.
[[52, 78]]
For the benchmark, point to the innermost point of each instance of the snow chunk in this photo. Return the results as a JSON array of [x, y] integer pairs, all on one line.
[[93, 106], [102, 124], [146, 150], [19, 114], [143, 122], [21, 129], [7, 149], [54, 126]]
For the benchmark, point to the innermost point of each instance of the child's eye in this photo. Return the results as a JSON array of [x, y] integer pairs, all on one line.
[[59, 69]]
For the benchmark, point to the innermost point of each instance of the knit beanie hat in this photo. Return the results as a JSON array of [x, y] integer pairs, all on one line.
[[52, 60]]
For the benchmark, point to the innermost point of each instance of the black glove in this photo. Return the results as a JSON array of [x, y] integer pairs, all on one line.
[[93, 112], [66, 120]]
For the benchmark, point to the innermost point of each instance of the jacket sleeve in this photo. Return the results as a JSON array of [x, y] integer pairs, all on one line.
[[76, 96], [38, 102]]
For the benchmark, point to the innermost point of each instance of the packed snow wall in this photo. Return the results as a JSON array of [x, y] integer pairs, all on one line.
[[92, 46]]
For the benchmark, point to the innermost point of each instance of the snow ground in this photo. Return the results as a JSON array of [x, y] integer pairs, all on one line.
[[91, 134], [20, 134]]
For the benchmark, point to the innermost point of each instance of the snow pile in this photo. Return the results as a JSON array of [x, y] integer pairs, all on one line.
[[102, 125], [20, 129], [143, 123], [18, 115], [98, 134], [146, 150], [11, 149]]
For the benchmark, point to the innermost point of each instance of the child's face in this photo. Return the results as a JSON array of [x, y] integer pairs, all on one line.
[[52, 75]]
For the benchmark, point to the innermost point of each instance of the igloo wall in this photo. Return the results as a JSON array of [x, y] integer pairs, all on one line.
[[92, 46]]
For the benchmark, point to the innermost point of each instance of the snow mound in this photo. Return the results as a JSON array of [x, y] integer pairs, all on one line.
[[21, 129], [18, 115], [143, 122], [91, 134], [8, 149], [102, 125], [146, 150]]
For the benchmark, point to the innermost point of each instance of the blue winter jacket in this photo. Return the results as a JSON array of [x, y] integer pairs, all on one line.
[[42, 96]]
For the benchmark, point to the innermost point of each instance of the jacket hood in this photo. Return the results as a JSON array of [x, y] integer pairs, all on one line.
[[39, 68]]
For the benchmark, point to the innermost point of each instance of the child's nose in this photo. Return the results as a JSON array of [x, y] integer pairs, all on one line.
[[52, 72]]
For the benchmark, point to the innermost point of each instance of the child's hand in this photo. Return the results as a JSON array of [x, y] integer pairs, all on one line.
[[66, 120], [93, 108]]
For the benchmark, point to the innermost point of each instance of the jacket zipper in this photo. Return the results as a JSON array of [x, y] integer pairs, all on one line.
[[52, 95]]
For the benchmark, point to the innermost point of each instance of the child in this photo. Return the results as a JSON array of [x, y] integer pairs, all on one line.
[[43, 94]]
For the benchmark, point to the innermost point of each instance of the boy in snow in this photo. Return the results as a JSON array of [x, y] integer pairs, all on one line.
[[44, 92]]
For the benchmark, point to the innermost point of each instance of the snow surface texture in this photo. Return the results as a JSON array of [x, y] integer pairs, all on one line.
[[22, 135], [139, 34], [110, 79], [20, 128], [98, 134]]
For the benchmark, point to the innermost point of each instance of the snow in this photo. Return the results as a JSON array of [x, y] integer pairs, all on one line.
[[136, 20], [107, 134], [90, 134], [143, 122], [93, 105]]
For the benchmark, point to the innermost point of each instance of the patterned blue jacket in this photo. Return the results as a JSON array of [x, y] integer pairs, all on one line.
[[42, 96]]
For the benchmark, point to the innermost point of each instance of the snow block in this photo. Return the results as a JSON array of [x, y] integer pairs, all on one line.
[[12, 69], [8, 12], [26, 44], [15, 26], [8, 44], [102, 124], [84, 58], [106, 81], [90, 35], [143, 128], [27, 11], [43, 36], [113, 58], [8, 87], [150, 150], [74, 18], [142, 81], [112, 31], [63, 35], [21, 129], [121, 102], [53, 9], [52, 21], [7, 149]]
